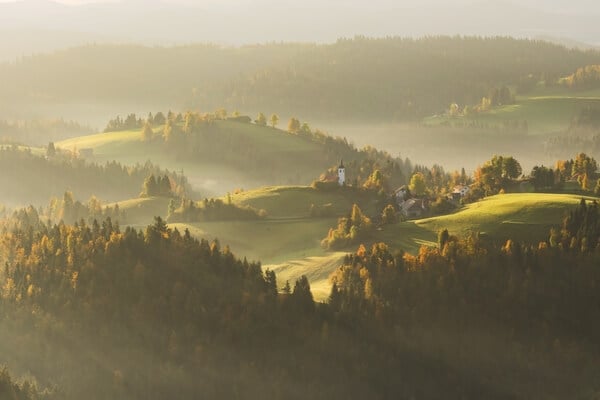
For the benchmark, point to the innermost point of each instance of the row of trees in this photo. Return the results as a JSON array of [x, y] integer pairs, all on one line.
[[351, 229], [162, 186], [211, 210], [496, 97], [495, 175], [129, 123], [584, 78]]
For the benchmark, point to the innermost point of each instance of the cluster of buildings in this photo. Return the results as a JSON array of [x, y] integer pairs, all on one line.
[[411, 207]]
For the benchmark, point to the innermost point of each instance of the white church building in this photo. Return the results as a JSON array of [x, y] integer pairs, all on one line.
[[341, 174]]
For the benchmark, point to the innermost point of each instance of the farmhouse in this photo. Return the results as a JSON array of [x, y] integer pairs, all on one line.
[[401, 194], [459, 192], [414, 208]]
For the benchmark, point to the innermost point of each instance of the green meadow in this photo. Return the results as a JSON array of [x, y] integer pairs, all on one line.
[[526, 217], [546, 111]]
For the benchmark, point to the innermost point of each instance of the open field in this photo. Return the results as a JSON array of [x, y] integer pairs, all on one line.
[[526, 217], [548, 111]]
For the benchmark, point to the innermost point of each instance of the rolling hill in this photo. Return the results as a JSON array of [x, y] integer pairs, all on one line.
[[239, 155], [289, 243], [525, 217], [340, 82]]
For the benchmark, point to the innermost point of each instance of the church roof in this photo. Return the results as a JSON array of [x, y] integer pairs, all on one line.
[[341, 164]]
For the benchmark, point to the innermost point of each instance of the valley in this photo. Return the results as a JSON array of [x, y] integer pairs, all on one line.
[[375, 217]]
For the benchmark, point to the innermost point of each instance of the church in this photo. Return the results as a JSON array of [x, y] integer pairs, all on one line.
[[341, 174]]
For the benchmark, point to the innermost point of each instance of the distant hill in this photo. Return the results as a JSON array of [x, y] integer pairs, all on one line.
[[224, 155], [181, 21], [357, 79]]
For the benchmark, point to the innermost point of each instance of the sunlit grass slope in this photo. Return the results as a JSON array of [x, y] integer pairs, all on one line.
[[288, 240], [277, 157], [545, 112], [525, 217], [291, 247], [295, 201]]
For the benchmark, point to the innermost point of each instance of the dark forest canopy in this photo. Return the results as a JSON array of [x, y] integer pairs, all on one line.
[[360, 78]]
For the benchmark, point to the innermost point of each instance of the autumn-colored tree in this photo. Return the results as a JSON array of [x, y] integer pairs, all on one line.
[[261, 120], [293, 125], [389, 215], [417, 184]]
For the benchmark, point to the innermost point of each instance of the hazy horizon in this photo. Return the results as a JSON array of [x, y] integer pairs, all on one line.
[[39, 26]]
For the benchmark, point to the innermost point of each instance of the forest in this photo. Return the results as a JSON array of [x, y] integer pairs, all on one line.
[[155, 313], [361, 78]]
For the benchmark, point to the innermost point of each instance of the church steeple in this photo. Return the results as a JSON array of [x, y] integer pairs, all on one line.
[[342, 174]]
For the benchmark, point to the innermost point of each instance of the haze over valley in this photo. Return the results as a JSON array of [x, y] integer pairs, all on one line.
[[276, 200]]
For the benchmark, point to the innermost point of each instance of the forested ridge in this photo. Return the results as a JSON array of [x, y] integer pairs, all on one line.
[[156, 313], [30, 178], [360, 78]]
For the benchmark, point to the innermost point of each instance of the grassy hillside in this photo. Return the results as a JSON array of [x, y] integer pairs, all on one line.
[[289, 243], [274, 157], [546, 111], [525, 217], [295, 201], [288, 240]]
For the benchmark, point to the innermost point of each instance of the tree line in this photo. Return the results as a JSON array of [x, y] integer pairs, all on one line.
[[156, 313], [29, 178], [286, 77], [164, 314]]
